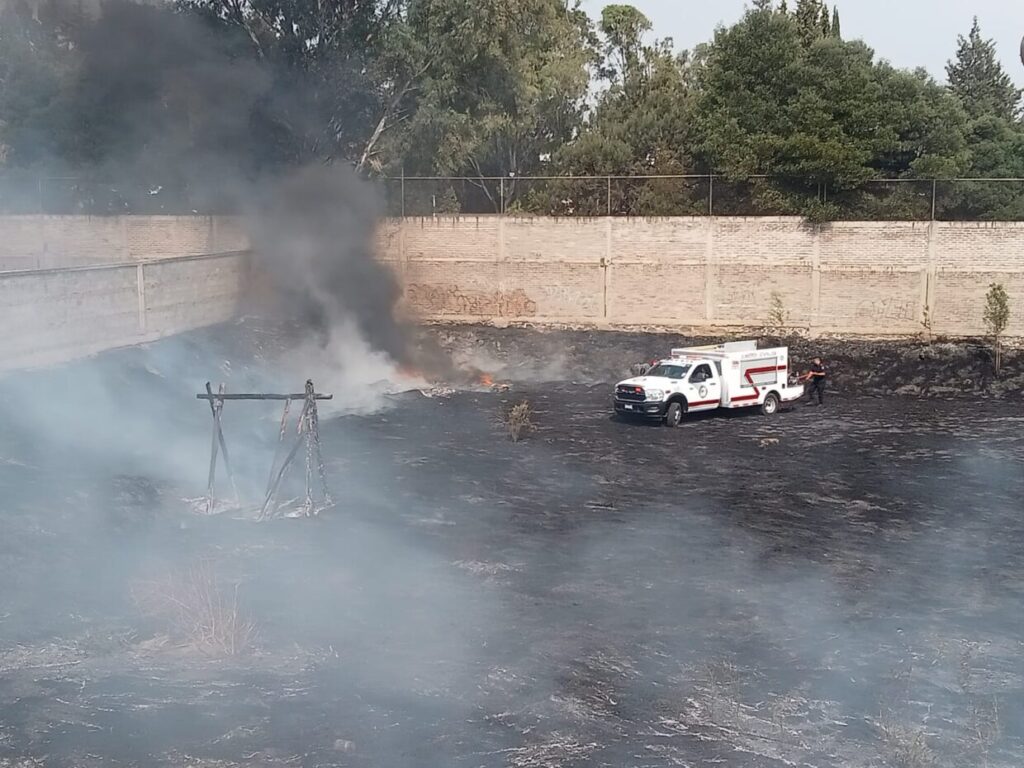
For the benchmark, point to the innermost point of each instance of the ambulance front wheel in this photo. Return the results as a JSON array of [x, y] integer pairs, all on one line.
[[771, 404], [673, 415]]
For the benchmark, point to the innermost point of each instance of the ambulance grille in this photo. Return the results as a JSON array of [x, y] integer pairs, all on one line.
[[630, 393]]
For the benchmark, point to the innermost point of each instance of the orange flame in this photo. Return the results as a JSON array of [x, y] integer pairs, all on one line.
[[408, 372], [486, 379]]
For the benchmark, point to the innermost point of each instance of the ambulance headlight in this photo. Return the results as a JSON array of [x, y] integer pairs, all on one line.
[[655, 394]]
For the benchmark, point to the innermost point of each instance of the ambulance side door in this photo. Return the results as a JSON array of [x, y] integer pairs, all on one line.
[[704, 388]]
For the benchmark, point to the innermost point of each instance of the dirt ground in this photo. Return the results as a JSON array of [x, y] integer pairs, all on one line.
[[834, 586]]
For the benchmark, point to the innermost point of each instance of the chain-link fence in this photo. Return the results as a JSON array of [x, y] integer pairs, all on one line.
[[875, 199], [25, 194], [685, 195]]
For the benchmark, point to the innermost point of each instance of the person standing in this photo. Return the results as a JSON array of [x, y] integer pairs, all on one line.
[[815, 378]]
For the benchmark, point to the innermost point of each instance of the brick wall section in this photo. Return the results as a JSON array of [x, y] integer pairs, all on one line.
[[659, 272], [970, 256], [52, 316], [48, 242], [869, 278]]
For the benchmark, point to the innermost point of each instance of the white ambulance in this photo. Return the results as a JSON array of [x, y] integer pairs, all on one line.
[[732, 375]]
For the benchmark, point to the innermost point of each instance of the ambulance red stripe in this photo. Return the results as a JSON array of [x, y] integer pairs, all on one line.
[[749, 374]]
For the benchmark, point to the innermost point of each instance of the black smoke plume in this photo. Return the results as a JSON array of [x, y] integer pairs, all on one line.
[[313, 236]]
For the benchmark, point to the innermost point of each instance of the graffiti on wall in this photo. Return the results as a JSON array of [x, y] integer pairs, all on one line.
[[887, 309], [453, 300]]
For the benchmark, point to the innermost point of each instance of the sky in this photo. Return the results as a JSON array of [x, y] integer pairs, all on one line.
[[909, 33]]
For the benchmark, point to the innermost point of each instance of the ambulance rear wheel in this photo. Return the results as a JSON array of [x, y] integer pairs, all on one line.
[[771, 404], [673, 415]]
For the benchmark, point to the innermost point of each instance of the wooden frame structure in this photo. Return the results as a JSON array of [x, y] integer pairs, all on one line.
[[307, 435]]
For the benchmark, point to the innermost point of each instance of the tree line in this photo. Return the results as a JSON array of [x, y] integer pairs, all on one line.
[[787, 114]]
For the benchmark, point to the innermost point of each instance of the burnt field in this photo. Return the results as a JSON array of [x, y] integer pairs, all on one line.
[[836, 586]]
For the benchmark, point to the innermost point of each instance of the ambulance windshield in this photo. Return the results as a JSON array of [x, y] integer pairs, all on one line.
[[669, 371]]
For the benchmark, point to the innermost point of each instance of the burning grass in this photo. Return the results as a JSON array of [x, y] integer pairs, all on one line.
[[467, 378]]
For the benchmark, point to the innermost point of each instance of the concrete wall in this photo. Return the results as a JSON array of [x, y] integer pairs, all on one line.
[[46, 242], [51, 316], [870, 278]]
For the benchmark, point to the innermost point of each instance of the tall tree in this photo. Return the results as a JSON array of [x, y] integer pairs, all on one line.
[[623, 27], [837, 31], [825, 117], [808, 20], [340, 80], [505, 87], [640, 125], [36, 62], [977, 78], [996, 149]]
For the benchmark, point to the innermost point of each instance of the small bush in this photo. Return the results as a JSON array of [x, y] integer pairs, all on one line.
[[778, 317], [997, 318], [519, 421], [196, 608]]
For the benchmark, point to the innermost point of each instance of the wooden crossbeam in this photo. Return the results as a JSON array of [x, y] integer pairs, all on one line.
[[233, 396]]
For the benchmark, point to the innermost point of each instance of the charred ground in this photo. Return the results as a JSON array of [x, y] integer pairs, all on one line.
[[835, 586]]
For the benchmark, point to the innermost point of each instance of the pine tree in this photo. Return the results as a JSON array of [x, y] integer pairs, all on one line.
[[826, 23], [783, 8], [808, 20], [836, 29], [977, 78]]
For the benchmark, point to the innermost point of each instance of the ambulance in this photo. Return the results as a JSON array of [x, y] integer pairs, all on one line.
[[693, 379]]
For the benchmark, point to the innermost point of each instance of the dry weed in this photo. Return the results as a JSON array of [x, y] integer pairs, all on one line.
[[198, 609], [519, 421], [907, 747]]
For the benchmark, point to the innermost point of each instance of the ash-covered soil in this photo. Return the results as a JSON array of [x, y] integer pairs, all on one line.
[[836, 586], [939, 369]]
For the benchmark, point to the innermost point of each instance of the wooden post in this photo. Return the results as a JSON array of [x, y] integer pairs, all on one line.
[[268, 501], [314, 431], [215, 405], [307, 506], [216, 409], [280, 442]]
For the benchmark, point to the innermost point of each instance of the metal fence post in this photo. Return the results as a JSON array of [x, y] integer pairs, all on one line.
[[501, 195], [934, 184], [711, 194], [609, 196], [403, 191], [42, 205]]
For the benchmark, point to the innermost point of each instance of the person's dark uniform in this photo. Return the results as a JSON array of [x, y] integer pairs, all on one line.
[[816, 382]]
